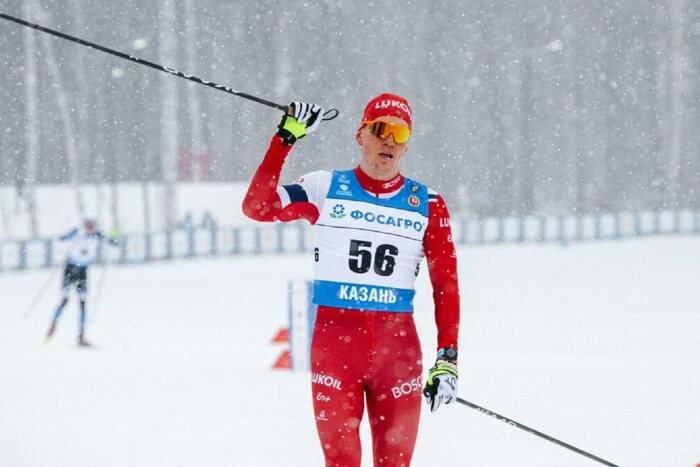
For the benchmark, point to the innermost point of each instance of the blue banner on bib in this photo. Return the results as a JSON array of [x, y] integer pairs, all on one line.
[[363, 297]]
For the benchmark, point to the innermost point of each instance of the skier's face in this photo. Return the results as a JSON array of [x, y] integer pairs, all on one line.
[[381, 156]]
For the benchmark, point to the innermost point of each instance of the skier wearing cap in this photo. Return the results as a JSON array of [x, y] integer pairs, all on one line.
[[372, 228], [82, 252]]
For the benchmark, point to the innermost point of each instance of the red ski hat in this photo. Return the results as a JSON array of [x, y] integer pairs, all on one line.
[[388, 105]]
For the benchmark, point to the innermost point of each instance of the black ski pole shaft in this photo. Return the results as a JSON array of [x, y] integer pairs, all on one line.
[[328, 115], [534, 432]]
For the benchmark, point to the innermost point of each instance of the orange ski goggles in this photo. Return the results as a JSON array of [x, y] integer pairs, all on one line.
[[384, 129]]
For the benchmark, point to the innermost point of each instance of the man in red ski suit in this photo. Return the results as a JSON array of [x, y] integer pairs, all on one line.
[[372, 228]]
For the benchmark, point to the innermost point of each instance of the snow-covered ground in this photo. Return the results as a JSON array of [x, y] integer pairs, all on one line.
[[596, 344], [57, 208]]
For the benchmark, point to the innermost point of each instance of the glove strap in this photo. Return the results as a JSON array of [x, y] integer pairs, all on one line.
[[442, 367]]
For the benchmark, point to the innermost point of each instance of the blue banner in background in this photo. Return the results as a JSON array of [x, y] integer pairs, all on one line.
[[295, 237]]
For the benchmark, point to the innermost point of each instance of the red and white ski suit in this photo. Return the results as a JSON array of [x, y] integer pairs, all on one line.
[[365, 354]]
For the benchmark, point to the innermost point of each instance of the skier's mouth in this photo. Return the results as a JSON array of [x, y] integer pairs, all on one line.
[[386, 155]]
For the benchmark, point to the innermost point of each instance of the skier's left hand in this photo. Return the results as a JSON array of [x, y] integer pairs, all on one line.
[[442, 384]]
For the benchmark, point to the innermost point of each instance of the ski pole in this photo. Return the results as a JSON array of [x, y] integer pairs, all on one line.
[[328, 115], [40, 294], [114, 233], [534, 432], [98, 291]]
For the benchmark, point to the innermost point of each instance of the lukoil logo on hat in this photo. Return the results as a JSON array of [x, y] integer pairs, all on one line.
[[388, 105]]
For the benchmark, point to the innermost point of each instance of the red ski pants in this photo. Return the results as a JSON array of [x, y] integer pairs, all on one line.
[[367, 358]]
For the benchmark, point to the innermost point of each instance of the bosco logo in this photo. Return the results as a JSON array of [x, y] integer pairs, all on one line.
[[407, 388]]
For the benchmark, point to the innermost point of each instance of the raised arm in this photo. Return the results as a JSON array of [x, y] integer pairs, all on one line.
[[262, 201]]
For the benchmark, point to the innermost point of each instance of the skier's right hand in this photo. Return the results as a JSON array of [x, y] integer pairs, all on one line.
[[300, 119]]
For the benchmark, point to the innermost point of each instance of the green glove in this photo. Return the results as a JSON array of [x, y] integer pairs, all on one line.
[[290, 130], [114, 233]]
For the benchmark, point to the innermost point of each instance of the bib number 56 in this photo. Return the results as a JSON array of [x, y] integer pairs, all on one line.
[[363, 258]]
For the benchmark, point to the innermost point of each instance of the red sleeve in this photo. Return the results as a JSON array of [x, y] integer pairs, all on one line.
[[442, 266], [262, 202]]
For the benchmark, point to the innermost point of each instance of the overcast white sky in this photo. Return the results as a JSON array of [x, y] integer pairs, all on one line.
[[595, 344]]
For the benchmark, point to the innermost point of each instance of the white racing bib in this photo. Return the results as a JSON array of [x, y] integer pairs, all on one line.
[[368, 249]]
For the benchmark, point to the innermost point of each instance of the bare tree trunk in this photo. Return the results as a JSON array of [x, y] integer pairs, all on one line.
[[676, 111], [572, 143], [193, 91], [524, 166], [669, 94], [5, 231], [27, 186], [283, 67], [64, 112], [147, 224], [169, 117], [82, 98]]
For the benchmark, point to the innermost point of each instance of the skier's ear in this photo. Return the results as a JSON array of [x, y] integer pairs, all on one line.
[[358, 136]]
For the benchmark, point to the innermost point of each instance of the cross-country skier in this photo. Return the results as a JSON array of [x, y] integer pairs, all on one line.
[[372, 228], [82, 252]]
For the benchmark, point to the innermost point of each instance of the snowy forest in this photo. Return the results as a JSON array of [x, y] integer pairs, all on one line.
[[519, 106]]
